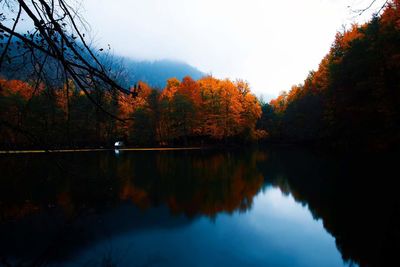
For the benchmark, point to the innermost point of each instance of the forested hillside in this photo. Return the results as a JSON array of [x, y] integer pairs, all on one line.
[[186, 112], [353, 99]]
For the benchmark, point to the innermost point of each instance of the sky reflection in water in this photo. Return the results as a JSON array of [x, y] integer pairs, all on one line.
[[253, 207], [276, 231]]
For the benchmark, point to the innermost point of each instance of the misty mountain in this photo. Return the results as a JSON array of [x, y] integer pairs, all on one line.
[[156, 73], [130, 71]]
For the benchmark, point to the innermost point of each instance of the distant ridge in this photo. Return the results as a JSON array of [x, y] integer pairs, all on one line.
[[156, 73]]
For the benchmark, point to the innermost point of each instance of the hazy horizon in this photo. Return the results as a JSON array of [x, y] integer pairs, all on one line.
[[270, 44]]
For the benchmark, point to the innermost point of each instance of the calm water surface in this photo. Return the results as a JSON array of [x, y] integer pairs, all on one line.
[[258, 207]]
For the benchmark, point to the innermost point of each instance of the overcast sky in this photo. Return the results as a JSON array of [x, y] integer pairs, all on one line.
[[271, 44]]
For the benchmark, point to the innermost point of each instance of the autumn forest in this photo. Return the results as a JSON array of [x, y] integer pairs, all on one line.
[[183, 112], [169, 133], [352, 100]]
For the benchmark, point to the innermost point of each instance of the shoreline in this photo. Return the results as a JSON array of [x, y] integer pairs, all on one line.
[[4, 152]]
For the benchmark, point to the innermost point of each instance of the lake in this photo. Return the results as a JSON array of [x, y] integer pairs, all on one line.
[[242, 207]]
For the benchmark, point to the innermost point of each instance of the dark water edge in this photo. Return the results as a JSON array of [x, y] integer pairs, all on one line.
[[55, 209]]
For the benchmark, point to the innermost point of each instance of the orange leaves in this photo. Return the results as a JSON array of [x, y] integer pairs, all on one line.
[[350, 35], [351, 99], [184, 111], [127, 104], [220, 108], [320, 79], [391, 15], [231, 108], [228, 108], [251, 108], [280, 103], [344, 40], [190, 89], [171, 88], [17, 87]]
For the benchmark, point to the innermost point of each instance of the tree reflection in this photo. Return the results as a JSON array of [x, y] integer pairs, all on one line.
[[193, 185], [53, 198], [354, 195], [203, 183]]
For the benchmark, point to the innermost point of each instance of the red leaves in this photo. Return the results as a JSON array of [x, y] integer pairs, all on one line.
[[16, 87], [210, 108]]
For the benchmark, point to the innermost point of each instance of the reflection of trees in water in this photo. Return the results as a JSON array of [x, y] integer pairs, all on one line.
[[94, 185], [354, 195], [194, 185], [189, 183]]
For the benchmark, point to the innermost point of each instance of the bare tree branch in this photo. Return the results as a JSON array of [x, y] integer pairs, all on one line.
[[10, 38], [362, 11], [51, 19]]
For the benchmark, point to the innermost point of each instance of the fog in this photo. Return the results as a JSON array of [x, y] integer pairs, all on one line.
[[271, 44]]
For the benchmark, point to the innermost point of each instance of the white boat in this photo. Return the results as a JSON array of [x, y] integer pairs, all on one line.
[[119, 144]]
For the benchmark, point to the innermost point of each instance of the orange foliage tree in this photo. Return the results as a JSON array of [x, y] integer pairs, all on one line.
[[183, 112]]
